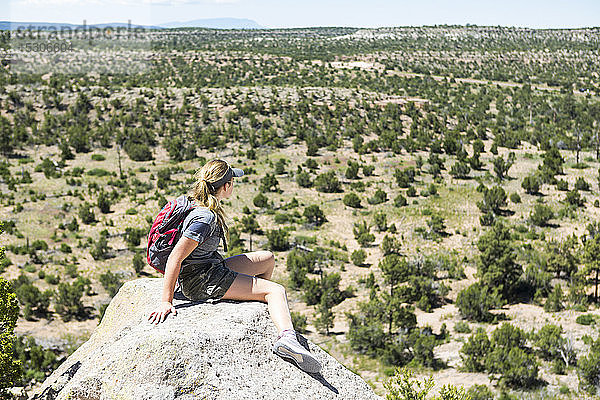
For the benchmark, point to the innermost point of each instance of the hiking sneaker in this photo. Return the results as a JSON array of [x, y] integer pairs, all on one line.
[[288, 347]]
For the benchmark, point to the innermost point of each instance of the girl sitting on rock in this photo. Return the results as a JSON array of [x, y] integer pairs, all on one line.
[[203, 274]]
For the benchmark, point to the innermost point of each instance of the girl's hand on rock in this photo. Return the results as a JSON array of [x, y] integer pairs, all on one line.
[[161, 313]]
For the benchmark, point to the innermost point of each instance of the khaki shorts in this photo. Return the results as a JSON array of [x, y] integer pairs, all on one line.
[[206, 281]]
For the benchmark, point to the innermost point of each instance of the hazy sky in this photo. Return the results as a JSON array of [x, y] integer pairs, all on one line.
[[286, 13]]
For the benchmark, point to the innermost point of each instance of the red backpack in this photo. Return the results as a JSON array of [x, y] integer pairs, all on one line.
[[166, 230]]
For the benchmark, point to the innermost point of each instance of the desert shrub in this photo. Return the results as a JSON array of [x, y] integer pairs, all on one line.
[[400, 201], [573, 198], [475, 302], [133, 236], [531, 184], [585, 319], [358, 257], [269, 183], [403, 386], [111, 283], [138, 151], [303, 179], [462, 327], [379, 197], [380, 221], [86, 214], [497, 266], [314, 215], [299, 321], [475, 351], [582, 184], [562, 185], [260, 201], [554, 302], [328, 182], [68, 302], [35, 303], [351, 200], [510, 358], [494, 199], [404, 177], [36, 361], [362, 234], [460, 170], [515, 198], [278, 240], [352, 170], [480, 392], [541, 214], [390, 245], [588, 369]]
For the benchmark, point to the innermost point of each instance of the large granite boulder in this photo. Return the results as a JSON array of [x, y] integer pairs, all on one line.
[[216, 350]]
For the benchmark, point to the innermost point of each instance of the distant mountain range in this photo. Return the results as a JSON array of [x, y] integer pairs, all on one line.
[[214, 23]]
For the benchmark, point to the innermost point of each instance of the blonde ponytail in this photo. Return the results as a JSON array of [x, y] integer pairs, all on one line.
[[203, 191]]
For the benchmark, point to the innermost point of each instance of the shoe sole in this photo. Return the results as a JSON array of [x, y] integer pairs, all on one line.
[[306, 363]]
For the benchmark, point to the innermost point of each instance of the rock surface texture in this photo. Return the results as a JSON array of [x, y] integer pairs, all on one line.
[[211, 351]]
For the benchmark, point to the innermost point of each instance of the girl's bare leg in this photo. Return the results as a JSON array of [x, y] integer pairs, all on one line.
[[247, 287], [256, 263]]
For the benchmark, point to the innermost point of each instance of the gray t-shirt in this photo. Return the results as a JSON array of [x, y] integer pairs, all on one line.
[[202, 226]]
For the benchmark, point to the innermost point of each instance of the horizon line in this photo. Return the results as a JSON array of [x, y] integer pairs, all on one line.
[[466, 25]]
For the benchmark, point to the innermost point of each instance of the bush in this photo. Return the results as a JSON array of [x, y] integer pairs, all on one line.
[[9, 313], [531, 184], [133, 236], [352, 200], [400, 201], [554, 301], [403, 386], [581, 184], [138, 151], [460, 170], [494, 199], [303, 179], [358, 257], [562, 185], [541, 215], [352, 170], [98, 157], [515, 198], [299, 322], [475, 301], [390, 245], [68, 302], [480, 392], [362, 234], [260, 201], [509, 358], [278, 240], [462, 327], [86, 214], [573, 198], [379, 197], [104, 202], [314, 215], [585, 319], [588, 369], [328, 183], [475, 351], [37, 362], [111, 283]]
